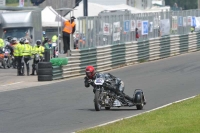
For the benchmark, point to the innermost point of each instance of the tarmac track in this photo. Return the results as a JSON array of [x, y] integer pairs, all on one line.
[[67, 106]]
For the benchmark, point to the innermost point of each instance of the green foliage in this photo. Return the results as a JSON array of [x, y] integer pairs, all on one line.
[[184, 4], [59, 61]]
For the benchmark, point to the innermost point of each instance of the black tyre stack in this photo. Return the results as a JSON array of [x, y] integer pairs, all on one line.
[[45, 71]]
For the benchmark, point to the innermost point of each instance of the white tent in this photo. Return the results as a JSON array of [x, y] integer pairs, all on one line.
[[50, 18], [94, 9], [124, 6]]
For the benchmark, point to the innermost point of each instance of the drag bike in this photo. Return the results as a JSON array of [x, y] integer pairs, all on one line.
[[2, 57], [7, 58], [37, 59], [107, 98]]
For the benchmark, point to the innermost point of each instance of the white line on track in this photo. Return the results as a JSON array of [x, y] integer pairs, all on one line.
[[141, 113], [12, 83]]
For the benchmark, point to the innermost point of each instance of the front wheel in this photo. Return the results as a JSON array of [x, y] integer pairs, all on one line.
[[96, 101], [4, 64], [8, 63]]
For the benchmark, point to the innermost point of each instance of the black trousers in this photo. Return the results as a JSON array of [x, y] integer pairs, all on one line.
[[66, 41], [34, 65], [14, 62], [18, 59], [26, 61]]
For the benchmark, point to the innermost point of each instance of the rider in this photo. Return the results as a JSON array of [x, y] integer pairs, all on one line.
[[1, 43], [26, 53], [17, 54], [117, 84], [38, 49], [9, 39]]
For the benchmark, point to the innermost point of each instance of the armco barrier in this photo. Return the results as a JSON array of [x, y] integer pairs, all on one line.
[[113, 56], [57, 72]]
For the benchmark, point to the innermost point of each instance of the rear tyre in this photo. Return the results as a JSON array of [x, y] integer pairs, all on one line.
[[96, 101], [140, 107], [47, 71], [44, 65], [44, 77], [139, 100]]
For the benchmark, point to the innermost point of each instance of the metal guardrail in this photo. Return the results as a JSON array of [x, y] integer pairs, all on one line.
[[114, 56], [57, 72]]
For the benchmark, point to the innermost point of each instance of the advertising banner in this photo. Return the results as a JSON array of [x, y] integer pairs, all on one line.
[[189, 20], [156, 23], [174, 23], [193, 21], [126, 25], [21, 3], [164, 27], [116, 31], [184, 21], [180, 21], [139, 25], [151, 27], [145, 27], [106, 28], [133, 25]]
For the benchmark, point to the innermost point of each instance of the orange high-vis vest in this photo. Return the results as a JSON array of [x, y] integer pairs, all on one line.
[[68, 26]]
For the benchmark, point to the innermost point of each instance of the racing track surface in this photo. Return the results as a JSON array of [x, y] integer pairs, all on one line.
[[68, 106]]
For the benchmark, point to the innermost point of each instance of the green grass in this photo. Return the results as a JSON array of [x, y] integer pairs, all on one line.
[[142, 60], [183, 117]]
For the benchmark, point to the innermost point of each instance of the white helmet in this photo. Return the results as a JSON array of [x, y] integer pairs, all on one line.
[[14, 40], [26, 41]]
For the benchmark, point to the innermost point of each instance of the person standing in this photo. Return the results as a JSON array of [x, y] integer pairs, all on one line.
[[54, 44], [38, 49], [1, 43], [17, 54], [28, 37], [69, 28], [26, 53]]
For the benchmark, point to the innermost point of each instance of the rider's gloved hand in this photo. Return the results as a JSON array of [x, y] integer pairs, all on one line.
[[86, 82], [90, 81]]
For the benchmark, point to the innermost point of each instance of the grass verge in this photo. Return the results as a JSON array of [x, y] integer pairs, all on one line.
[[183, 117]]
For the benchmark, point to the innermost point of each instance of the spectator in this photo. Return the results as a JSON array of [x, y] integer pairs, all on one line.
[[54, 44], [137, 36], [192, 29], [69, 28], [28, 37], [1, 43]]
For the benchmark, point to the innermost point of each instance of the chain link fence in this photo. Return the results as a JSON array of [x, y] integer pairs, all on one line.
[[110, 28]]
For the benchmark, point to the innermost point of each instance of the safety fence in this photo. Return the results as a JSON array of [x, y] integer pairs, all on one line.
[[57, 72], [114, 56], [111, 28]]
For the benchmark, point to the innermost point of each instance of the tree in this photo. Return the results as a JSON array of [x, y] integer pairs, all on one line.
[[37, 2], [185, 4]]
